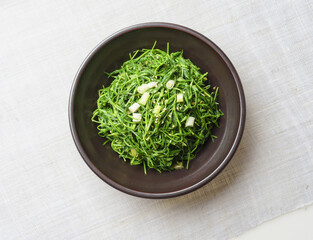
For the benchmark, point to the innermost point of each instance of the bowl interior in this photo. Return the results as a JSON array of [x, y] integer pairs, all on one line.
[[109, 56]]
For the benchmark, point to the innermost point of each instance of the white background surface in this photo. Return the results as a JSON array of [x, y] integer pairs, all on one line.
[[48, 192], [295, 225]]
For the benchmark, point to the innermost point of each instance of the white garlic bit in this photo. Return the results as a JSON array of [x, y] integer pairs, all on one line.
[[170, 84], [144, 98], [144, 87], [136, 117], [133, 108], [152, 84], [180, 97], [190, 122]]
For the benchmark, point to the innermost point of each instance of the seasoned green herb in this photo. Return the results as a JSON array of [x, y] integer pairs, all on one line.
[[158, 110]]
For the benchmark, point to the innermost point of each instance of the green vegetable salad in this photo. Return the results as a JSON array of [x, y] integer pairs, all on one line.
[[158, 110]]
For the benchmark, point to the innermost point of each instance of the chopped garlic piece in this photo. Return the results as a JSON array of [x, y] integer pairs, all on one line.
[[136, 117], [190, 122], [157, 109], [133, 108], [152, 84], [180, 97], [144, 98], [142, 88], [170, 84]]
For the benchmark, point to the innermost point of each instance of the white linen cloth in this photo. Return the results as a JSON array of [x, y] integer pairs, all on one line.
[[48, 192]]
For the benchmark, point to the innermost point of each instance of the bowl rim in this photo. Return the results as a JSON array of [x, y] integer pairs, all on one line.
[[224, 162]]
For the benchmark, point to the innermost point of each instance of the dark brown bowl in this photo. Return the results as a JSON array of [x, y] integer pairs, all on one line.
[[108, 56]]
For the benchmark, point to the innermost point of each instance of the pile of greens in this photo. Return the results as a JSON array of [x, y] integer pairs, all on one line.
[[158, 110]]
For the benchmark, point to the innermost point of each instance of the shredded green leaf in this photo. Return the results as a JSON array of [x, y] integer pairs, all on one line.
[[161, 134]]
